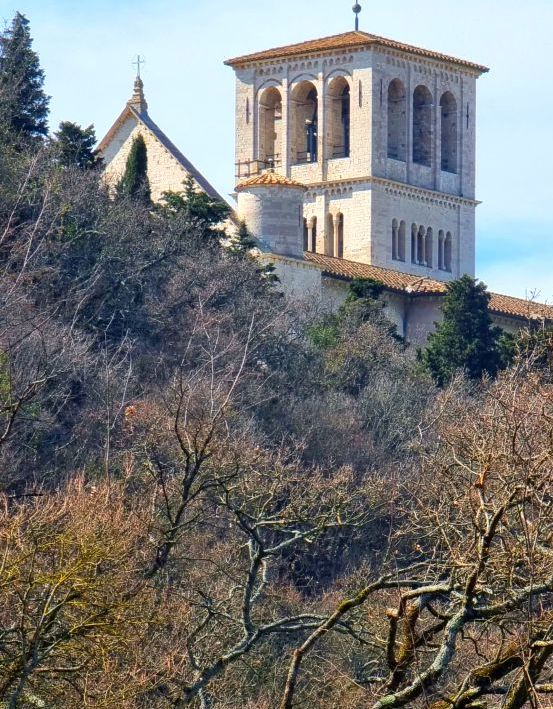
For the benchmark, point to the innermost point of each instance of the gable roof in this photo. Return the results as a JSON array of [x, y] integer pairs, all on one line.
[[349, 40], [144, 119], [503, 305]]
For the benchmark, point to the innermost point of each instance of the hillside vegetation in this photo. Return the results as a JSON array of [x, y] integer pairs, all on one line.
[[211, 496]]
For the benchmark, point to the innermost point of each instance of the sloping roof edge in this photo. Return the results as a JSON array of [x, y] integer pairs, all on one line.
[[156, 131], [404, 283], [349, 40]]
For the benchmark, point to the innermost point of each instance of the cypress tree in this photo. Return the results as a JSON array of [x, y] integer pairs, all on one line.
[[465, 339], [23, 103], [242, 242], [75, 145], [135, 180]]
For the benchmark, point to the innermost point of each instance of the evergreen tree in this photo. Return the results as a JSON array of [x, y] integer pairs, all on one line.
[[209, 213], [23, 103], [242, 242], [75, 145], [465, 339], [135, 180]]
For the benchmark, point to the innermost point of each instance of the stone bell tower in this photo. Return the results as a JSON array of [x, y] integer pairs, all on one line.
[[381, 133]]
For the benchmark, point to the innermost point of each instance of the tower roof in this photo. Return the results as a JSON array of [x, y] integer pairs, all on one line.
[[138, 100], [269, 179], [349, 40]]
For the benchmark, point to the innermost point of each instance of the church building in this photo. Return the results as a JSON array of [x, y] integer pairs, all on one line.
[[355, 158]]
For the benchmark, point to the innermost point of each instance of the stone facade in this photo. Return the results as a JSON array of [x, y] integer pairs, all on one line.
[[385, 142]]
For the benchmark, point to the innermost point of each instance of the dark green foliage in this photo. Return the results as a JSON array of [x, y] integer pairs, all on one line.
[[197, 206], [365, 288], [466, 338], [134, 182], [242, 242], [74, 146], [23, 103]]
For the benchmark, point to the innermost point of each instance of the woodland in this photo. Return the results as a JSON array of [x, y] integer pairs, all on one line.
[[213, 496]]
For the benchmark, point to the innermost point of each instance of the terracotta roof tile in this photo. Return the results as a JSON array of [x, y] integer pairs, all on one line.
[[346, 41], [269, 179], [406, 283]]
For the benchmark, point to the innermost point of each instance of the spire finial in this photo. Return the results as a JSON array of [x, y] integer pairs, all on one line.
[[357, 9], [138, 100], [138, 63]]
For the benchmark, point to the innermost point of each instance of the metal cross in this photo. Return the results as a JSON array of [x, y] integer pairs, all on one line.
[[137, 63], [357, 9]]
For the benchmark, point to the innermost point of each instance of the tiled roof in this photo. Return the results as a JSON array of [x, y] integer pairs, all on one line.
[[269, 179], [347, 41], [405, 283]]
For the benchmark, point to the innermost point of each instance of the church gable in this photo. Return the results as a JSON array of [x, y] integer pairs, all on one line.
[[168, 168]]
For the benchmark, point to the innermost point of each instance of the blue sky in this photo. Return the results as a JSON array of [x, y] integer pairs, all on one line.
[[87, 46]]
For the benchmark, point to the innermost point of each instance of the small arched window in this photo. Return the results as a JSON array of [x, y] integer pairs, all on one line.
[[448, 252], [329, 236], [270, 127], [441, 252], [401, 242], [395, 240], [448, 110], [422, 126], [429, 247], [313, 227], [414, 233], [305, 235], [421, 249], [339, 227], [305, 123], [340, 110], [397, 121]]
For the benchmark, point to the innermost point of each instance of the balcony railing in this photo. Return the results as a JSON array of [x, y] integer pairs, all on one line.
[[250, 168]]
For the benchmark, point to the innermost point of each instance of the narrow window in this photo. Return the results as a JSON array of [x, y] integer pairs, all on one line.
[[448, 108], [397, 121], [305, 235], [270, 128], [421, 235], [401, 242], [441, 259], [329, 236], [448, 249], [339, 251], [314, 234], [395, 241], [429, 247], [414, 232], [305, 123], [422, 126]]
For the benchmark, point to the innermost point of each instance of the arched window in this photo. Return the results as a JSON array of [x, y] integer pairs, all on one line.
[[421, 250], [305, 123], [329, 236], [448, 251], [414, 233], [339, 231], [270, 127], [395, 240], [314, 234], [422, 126], [401, 242], [339, 118], [448, 107], [429, 247], [305, 235], [441, 252], [397, 121]]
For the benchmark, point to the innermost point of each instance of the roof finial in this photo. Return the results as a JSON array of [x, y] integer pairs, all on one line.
[[138, 100], [357, 9], [138, 62]]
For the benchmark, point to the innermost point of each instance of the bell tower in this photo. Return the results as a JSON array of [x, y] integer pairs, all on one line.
[[381, 133]]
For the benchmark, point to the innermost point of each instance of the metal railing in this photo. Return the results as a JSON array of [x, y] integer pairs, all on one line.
[[250, 168]]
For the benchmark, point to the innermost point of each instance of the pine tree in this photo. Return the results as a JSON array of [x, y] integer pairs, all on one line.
[[206, 211], [75, 146], [242, 242], [465, 339], [135, 180], [23, 103]]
